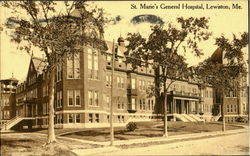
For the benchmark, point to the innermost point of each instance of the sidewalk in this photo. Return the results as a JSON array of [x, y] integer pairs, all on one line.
[[170, 139]]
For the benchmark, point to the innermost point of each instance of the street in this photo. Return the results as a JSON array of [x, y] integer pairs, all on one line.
[[236, 144]]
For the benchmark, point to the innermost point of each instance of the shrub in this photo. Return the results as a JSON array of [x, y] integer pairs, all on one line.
[[131, 126]]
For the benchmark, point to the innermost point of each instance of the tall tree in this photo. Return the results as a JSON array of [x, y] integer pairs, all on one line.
[[225, 71], [162, 50], [57, 33]]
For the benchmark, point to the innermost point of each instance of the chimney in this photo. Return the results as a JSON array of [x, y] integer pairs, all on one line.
[[121, 41]]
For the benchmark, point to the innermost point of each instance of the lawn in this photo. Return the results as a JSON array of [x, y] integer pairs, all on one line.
[[23, 144], [147, 130]]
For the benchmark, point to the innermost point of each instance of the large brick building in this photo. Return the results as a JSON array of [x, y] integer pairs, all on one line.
[[83, 93], [7, 98], [235, 101]]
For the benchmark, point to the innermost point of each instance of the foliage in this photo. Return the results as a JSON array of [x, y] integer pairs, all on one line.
[[161, 48], [56, 33], [131, 126], [223, 73]]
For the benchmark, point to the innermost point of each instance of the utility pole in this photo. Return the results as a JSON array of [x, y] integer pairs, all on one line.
[[112, 98]]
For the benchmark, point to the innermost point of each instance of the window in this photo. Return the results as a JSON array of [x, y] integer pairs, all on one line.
[[73, 66], [143, 85], [70, 68], [92, 64], [122, 82], [122, 104], [133, 84], [77, 98], [149, 104], [90, 98], [6, 114], [78, 118], [152, 103], [108, 80], [96, 98], [7, 102], [119, 103], [45, 108], [97, 118], [119, 82], [108, 118], [36, 109], [123, 120], [59, 99], [59, 118], [91, 118], [211, 94], [235, 108], [74, 98], [108, 100], [77, 66], [45, 91], [70, 97], [59, 72], [144, 104], [140, 84], [93, 98], [133, 107], [140, 104], [119, 118], [70, 118]]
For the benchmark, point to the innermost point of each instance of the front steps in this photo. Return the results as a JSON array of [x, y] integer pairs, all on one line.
[[188, 117], [6, 127]]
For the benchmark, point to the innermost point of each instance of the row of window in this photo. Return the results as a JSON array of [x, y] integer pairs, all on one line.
[[231, 108], [208, 94], [73, 96], [32, 79], [92, 64], [45, 108], [6, 114], [141, 84], [73, 66], [58, 73], [45, 91], [231, 93], [150, 103], [93, 118], [5, 102], [179, 88], [59, 99], [120, 81], [32, 93]]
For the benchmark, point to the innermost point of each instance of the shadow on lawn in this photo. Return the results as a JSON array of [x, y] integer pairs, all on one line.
[[17, 143]]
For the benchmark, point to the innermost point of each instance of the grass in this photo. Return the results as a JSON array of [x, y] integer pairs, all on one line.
[[147, 130], [32, 144]]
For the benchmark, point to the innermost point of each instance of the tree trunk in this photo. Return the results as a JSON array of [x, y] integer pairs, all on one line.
[[165, 106], [51, 132], [222, 113], [165, 115], [157, 93]]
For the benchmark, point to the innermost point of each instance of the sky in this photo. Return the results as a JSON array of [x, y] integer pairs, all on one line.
[[221, 22]]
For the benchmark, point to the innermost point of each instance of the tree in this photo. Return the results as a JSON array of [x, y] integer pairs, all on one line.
[[224, 72], [57, 34], [162, 50]]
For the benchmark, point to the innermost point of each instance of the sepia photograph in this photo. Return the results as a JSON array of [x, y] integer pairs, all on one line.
[[128, 77]]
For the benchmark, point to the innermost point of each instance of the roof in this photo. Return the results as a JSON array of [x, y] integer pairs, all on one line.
[[217, 55], [121, 49], [39, 64]]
